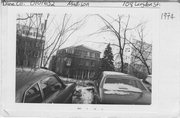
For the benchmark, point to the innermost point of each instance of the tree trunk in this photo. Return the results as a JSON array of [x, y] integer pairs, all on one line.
[[122, 62], [147, 67]]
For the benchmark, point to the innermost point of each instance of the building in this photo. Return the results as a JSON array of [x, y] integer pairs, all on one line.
[[132, 56], [31, 32], [78, 62], [29, 46], [136, 58]]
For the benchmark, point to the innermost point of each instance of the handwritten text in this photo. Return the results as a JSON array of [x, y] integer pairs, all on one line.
[[78, 4], [141, 4]]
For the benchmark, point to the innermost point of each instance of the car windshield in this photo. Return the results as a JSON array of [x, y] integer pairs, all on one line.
[[123, 84]]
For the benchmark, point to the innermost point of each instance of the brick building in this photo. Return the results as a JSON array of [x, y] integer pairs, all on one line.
[[78, 62], [29, 46]]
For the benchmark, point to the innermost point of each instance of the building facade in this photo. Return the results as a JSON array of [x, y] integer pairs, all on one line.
[[132, 57], [29, 46], [136, 62], [78, 62]]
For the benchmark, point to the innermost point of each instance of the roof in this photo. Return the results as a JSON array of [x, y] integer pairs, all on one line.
[[116, 74], [81, 46], [25, 77], [113, 73], [88, 48]]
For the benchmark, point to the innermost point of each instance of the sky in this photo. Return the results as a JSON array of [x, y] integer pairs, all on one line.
[[92, 23]]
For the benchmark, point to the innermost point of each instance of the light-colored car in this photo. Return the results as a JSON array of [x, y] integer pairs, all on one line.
[[149, 79], [120, 88], [41, 86], [148, 82]]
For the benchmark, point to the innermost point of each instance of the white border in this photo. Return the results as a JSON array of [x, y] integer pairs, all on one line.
[[165, 89]]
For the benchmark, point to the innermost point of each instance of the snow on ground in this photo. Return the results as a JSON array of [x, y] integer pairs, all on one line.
[[83, 95], [74, 80], [67, 79], [84, 90], [119, 88]]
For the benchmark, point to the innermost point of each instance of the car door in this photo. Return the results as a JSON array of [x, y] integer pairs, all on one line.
[[33, 94], [53, 90]]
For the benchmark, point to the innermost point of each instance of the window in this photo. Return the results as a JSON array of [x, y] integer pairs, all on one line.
[[34, 34], [30, 33], [97, 55], [117, 80], [29, 52], [36, 53], [125, 81], [37, 44], [68, 62], [87, 63], [78, 52], [24, 32], [33, 95], [88, 54], [127, 50], [81, 62], [71, 51], [50, 85], [92, 54], [25, 43], [84, 53], [92, 63]]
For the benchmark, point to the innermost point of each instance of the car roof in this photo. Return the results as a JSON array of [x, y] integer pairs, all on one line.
[[113, 73], [149, 76], [149, 79], [25, 76], [116, 74]]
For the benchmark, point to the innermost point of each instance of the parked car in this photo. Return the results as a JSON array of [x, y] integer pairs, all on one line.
[[41, 86], [120, 88], [149, 79], [148, 82]]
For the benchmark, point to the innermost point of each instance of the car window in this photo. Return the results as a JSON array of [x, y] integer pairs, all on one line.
[[126, 81], [50, 85], [118, 80], [33, 95]]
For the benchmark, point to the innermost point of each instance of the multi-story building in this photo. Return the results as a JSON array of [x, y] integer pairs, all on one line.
[[78, 62], [29, 46], [132, 57], [141, 58]]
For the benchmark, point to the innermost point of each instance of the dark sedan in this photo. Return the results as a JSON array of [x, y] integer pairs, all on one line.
[[41, 86], [119, 88]]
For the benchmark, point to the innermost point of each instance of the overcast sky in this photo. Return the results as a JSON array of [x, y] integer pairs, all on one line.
[[93, 23]]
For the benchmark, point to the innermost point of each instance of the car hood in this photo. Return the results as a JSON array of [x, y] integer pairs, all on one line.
[[126, 97]]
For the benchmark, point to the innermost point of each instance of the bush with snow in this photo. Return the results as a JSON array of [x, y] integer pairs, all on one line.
[[83, 95]]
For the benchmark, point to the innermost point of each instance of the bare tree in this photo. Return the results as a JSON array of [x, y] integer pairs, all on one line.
[[141, 51], [65, 30], [119, 27], [27, 23], [62, 32]]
